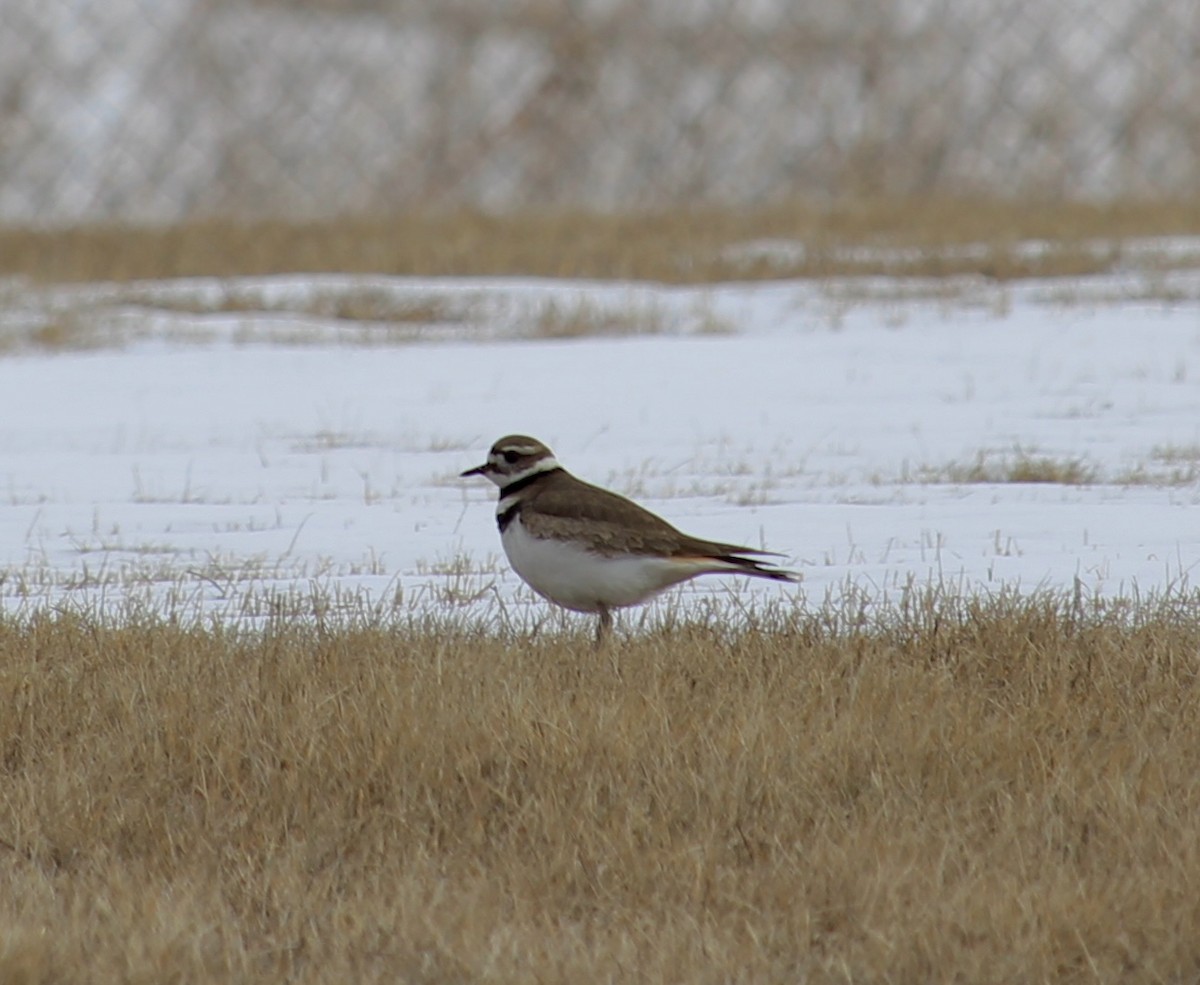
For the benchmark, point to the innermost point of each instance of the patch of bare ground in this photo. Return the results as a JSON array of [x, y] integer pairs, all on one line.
[[952, 789]]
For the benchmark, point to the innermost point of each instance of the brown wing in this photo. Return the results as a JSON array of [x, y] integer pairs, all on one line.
[[615, 521]]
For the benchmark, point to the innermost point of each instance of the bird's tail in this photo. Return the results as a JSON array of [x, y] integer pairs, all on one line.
[[757, 569]]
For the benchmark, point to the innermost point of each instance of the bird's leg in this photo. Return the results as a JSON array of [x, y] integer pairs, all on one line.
[[604, 626]]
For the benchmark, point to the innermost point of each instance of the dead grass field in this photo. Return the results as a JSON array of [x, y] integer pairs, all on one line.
[[995, 790], [900, 237]]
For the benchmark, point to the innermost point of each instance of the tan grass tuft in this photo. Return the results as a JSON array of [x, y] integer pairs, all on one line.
[[583, 319], [1021, 466]]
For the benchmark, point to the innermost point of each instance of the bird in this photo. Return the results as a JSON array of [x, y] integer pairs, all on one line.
[[591, 550]]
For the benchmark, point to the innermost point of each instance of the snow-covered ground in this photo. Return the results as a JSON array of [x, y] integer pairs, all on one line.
[[207, 465]]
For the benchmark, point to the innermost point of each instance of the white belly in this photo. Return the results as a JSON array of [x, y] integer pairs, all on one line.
[[576, 579]]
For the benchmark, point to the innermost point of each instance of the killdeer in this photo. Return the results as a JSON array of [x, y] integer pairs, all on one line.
[[588, 549]]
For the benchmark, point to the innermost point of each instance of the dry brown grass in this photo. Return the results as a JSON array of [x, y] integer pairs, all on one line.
[[680, 246], [1021, 465], [959, 790], [1167, 466], [585, 319]]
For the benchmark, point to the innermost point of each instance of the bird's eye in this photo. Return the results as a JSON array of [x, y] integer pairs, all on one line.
[[511, 456]]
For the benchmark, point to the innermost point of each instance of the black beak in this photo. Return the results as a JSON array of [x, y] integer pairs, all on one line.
[[478, 470]]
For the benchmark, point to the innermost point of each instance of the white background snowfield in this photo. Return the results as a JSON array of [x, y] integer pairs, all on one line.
[[245, 459]]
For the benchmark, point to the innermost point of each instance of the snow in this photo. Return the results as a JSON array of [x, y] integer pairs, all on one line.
[[836, 423]]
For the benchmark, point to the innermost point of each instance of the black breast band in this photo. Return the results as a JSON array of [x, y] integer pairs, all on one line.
[[506, 517]]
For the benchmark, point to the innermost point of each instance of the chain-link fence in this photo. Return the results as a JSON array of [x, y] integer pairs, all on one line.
[[165, 109]]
